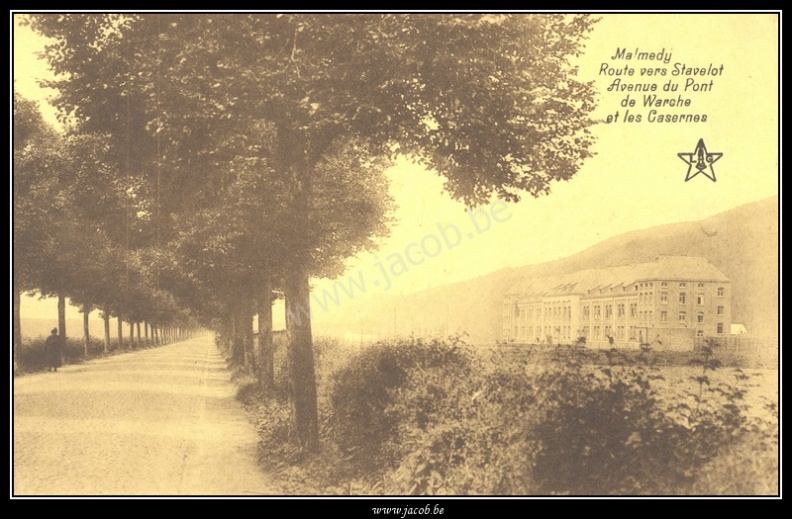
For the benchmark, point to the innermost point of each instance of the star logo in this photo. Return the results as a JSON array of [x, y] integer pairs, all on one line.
[[700, 161]]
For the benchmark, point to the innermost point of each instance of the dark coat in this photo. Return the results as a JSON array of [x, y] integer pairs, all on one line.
[[53, 349]]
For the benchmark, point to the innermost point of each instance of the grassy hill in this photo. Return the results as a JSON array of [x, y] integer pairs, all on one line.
[[742, 243]]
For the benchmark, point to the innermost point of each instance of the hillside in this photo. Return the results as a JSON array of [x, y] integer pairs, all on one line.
[[742, 243]]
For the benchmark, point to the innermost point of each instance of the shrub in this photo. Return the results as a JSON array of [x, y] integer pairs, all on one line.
[[570, 427], [471, 440], [433, 417], [748, 467], [366, 403], [598, 430], [31, 355], [606, 429]]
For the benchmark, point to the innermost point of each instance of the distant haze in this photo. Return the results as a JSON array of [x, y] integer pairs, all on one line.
[[742, 243]]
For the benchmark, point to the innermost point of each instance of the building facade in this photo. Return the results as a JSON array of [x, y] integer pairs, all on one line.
[[665, 303]]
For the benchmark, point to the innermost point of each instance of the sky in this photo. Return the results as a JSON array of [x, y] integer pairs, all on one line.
[[635, 180]]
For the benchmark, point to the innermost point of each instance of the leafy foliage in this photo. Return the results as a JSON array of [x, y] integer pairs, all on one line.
[[366, 392], [432, 418], [199, 107]]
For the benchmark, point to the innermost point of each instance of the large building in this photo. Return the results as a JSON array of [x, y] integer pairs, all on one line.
[[666, 303]]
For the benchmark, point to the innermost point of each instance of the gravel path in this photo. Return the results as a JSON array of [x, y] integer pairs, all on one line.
[[162, 421]]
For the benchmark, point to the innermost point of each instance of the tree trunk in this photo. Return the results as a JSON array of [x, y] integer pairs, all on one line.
[[106, 312], [131, 335], [228, 335], [17, 323], [266, 351], [247, 336], [140, 341], [146, 331], [86, 311], [62, 316], [302, 377], [120, 332], [237, 351]]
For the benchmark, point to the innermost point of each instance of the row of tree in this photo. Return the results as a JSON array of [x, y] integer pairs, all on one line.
[[72, 224], [240, 154]]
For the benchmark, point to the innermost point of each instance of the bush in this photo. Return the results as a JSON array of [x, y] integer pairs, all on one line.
[[471, 441], [433, 417], [367, 406], [31, 357], [607, 429], [598, 430], [567, 428], [749, 467]]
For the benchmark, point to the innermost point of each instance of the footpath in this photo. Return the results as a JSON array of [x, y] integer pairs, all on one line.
[[161, 421]]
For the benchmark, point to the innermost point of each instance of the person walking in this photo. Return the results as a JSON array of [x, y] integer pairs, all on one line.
[[53, 350]]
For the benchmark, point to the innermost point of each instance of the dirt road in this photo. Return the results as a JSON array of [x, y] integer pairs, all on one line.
[[161, 421]]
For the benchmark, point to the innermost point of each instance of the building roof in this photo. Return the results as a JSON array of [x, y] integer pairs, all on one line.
[[664, 268]]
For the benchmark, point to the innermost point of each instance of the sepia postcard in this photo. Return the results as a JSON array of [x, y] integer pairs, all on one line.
[[423, 257]]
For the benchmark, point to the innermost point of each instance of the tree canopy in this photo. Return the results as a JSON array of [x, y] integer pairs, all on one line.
[[256, 142]]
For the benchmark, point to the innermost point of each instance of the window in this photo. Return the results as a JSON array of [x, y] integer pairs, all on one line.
[[682, 317], [682, 285], [701, 285], [608, 310], [664, 297], [596, 310], [620, 332], [633, 309], [585, 331], [608, 332], [700, 333], [516, 311], [585, 312], [663, 316], [720, 327], [651, 317], [720, 291], [700, 317], [620, 310], [632, 333], [596, 332], [700, 299], [720, 310], [682, 298], [663, 284]]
